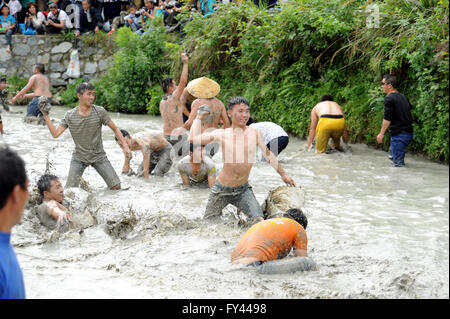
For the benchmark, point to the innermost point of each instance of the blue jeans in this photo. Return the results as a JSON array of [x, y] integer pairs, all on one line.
[[399, 143], [33, 107], [8, 36]]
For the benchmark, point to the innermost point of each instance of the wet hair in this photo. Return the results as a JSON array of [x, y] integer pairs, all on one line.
[[12, 173], [85, 86], [124, 134], [326, 97], [237, 100], [250, 121], [40, 67], [192, 147], [297, 215], [44, 183], [390, 79], [2, 80], [166, 83]]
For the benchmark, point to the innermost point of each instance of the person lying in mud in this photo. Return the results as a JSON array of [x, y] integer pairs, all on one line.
[[327, 121], [264, 244], [155, 150], [51, 213], [85, 125], [197, 172], [239, 143]]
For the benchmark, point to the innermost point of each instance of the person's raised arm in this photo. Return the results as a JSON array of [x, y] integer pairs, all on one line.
[[272, 160], [224, 115], [55, 131], [184, 77], [194, 107], [196, 136], [313, 126]]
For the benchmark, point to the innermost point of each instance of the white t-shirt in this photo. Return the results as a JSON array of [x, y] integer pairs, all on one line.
[[14, 7], [62, 16], [269, 130]]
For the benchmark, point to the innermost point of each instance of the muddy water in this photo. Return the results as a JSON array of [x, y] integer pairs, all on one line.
[[374, 231]]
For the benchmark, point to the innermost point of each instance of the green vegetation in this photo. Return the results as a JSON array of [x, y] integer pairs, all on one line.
[[284, 62]]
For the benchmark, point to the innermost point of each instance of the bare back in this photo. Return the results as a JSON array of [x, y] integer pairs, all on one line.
[[153, 141], [217, 113], [239, 152], [40, 85], [328, 107], [172, 114]]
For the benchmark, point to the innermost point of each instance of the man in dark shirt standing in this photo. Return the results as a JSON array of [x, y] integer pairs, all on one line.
[[398, 118]]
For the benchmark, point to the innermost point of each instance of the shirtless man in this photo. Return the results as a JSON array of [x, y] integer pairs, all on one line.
[[197, 173], [40, 85], [171, 110], [155, 150], [327, 120], [239, 144], [51, 212], [205, 90]]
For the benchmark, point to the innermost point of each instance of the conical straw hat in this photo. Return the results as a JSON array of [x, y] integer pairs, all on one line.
[[203, 88]]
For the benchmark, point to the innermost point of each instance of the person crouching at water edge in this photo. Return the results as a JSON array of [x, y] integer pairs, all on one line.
[[197, 168], [85, 125], [51, 213], [270, 240], [155, 150], [327, 121], [239, 144]]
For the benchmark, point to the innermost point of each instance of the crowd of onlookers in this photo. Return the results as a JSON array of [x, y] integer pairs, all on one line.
[[32, 17]]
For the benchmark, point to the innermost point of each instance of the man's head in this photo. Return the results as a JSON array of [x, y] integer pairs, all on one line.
[[53, 7], [13, 188], [389, 83], [239, 110], [127, 138], [297, 215], [149, 4], [168, 85], [326, 97], [86, 4], [5, 10], [50, 188], [133, 9], [2, 83], [86, 93], [39, 68]]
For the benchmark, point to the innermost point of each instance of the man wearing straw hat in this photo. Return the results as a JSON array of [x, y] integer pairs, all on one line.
[[206, 90], [171, 110]]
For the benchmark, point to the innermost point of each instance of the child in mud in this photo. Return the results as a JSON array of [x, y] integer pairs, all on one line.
[[197, 172], [3, 102], [51, 212], [155, 150], [272, 239]]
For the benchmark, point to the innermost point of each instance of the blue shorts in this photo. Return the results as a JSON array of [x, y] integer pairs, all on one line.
[[33, 108]]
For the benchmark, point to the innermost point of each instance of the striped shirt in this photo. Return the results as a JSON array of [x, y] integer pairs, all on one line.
[[269, 130], [86, 133]]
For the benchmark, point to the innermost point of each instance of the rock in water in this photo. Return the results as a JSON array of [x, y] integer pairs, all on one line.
[[281, 199]]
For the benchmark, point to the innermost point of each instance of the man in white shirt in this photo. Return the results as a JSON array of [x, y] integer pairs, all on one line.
[[275, 137], [57, 20]]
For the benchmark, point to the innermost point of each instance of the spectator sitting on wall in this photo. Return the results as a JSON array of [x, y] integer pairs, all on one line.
[[57, 20], [15, 7], [34, 18], [111, 10], [90, 19], [7, 26], [116, 23], [132, 19]]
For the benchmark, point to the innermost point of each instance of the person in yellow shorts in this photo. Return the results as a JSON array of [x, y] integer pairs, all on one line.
[[327, 121]]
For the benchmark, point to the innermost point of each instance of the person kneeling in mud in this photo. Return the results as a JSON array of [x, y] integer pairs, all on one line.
[[155, 149], [197, 168], [51, 212], [272, 239]]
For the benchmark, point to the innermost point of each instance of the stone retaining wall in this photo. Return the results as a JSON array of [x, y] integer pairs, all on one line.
[[54, 53]]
